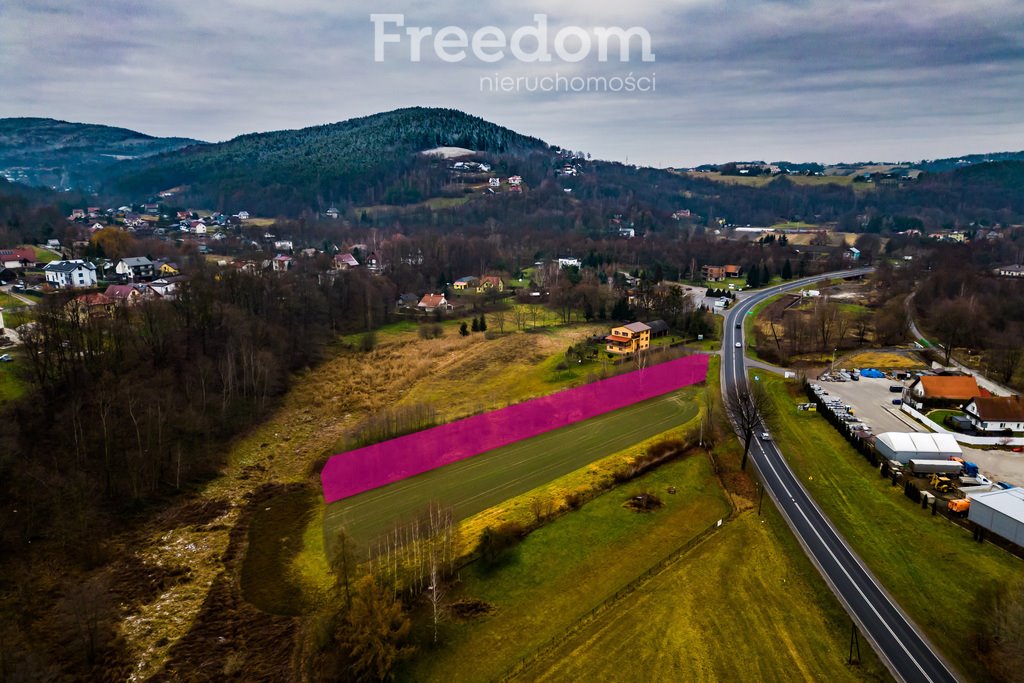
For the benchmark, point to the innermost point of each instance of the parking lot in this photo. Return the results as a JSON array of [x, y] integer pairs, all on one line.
[[871, 402]]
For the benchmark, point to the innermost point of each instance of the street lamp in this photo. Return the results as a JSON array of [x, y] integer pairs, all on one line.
[[833, 362]]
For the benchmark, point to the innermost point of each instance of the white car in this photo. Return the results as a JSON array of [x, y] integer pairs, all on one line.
[[739, 345], [765, 436], [6, 358]]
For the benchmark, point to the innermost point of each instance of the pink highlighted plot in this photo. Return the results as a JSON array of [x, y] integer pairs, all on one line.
[[369, 467]]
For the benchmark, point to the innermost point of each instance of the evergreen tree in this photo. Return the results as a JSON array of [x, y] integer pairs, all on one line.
[[602, 313], [787, 270], [754, 277], [464, 329], [621, 310], [476, 324], [483, 322]]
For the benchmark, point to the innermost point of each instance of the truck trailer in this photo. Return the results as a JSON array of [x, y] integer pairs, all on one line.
[[919, 467]]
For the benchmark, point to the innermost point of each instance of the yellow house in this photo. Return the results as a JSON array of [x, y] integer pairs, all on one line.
[[629, 338], [168, 269], [491, 282], [464, 283]]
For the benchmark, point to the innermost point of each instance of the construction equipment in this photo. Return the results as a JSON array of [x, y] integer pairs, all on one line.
[[960, 506], [941, 484]]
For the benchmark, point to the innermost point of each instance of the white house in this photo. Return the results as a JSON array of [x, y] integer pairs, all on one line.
[[515, 181], [284, 245], [569, 262], [332, 212], [433, 302], [70, 274], [135, 268], [242, 215], [996, 413], [1010, 271]]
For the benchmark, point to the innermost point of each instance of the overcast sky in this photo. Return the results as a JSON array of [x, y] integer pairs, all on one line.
[[795, 80]]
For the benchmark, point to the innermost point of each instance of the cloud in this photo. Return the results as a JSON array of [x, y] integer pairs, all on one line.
[[797, 79]]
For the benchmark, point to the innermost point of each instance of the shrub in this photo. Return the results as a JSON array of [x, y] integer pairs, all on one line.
[[495, 541]]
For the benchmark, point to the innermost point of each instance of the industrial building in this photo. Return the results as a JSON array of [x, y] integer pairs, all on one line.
[[904, 446], [1001, 512]]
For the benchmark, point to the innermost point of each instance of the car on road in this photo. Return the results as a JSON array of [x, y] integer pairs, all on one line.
[[6, 358], [739, 345], [739, 325], [765, 436]]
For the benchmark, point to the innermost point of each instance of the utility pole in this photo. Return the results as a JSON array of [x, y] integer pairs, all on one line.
[[854, 644]]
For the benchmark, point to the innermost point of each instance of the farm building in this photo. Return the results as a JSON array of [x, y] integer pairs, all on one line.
[[904, 446], [1001, 512]]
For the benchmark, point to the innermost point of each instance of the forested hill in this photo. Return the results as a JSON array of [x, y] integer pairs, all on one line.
[[61, 154], [357, 160]]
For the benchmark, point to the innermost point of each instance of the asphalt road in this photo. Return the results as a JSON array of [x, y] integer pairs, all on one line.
[[898, 642]]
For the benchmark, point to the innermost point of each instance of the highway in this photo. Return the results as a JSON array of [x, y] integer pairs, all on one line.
[[898, 642]]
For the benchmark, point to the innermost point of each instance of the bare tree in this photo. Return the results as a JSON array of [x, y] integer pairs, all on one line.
[[749, 410], [500, 317]]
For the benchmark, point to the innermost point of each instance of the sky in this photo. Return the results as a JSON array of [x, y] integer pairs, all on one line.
[[794, 80]]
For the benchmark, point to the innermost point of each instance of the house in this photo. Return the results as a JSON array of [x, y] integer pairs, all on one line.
[[346, 261], [569, 263], [659, 328], [167, 287], [17, 258], [935, 389], [151, 208], [135, 268], [125, 294], [76, 214], [183, 215], [628, 233], [996, 413], [53, 244], [284, 245], [166, 269], [515, 181], [627, 339], [281, 263], [464, 283], [852, 254], [491, 282], [712, 273], [93, 305], [434, 302], [70, 274], [242, 215], [332, 212], [732, 270], [494, 182], [373, 263], [407, 300], [1010, 271]]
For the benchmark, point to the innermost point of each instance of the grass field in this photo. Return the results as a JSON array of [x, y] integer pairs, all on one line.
[[8, 301], [935, 571], [563, 570], [11, 384], [477, 483], [882, 360], [744, 605]]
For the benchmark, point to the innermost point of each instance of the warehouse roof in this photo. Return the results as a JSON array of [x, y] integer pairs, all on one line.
[[1009, 502], [919, 442]]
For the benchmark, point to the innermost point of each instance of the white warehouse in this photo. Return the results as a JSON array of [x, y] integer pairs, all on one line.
[[1001, 512], [903, 446]]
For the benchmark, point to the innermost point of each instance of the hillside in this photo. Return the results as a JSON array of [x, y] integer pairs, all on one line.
[[61, 154], [295, 170]]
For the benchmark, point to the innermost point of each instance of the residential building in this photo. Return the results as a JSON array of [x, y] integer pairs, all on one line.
[[70, 274], [17, 258], [627, 339], [345, 261], [469, 282], [125, 294], [944, 389], [332, 212], [167, 287], [712, 273], [93, 305], [167, 269], [996, 413], [282, 263], [491, 282], [135, 268], [659, 328], [434, 302]]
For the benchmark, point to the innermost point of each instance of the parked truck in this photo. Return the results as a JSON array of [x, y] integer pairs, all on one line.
[[922, 467], [959, 506]]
